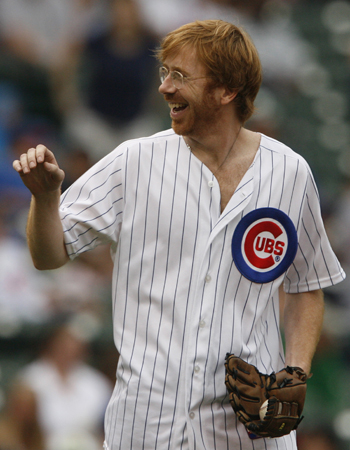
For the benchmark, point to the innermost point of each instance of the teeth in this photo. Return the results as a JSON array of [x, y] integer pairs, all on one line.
[[175, 105]]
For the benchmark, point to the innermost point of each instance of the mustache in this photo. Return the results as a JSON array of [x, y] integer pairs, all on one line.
[[170, 97]]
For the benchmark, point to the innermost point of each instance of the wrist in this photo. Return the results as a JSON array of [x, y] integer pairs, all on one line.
[[47, 198], [297, 364]]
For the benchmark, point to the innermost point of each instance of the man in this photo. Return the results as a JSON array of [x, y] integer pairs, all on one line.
[[208, 222]]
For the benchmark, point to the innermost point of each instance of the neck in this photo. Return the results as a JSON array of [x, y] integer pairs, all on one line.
[[214, 150]]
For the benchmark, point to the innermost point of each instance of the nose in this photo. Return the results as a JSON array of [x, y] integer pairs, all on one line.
[[167, 86]]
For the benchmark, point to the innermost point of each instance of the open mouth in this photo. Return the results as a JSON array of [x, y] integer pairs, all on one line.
[[177, 107]]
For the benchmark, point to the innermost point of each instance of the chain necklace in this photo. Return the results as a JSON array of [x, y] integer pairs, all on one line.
[[227, 155]]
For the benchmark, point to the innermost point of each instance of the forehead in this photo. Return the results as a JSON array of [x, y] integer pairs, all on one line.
[[185, 61]]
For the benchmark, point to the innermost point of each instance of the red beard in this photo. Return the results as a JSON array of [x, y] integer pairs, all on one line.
[[201, 114]]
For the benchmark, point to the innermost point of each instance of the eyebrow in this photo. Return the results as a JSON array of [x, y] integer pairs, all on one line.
[[177, 69]]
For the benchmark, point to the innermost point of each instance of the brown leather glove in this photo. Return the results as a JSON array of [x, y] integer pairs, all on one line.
[[248, 389]]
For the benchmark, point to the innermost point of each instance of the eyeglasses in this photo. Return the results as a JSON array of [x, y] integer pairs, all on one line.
[[177, 78]]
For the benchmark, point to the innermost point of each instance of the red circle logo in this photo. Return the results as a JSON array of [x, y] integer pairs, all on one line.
[[264, 244]]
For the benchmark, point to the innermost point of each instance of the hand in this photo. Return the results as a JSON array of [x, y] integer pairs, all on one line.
[[39, 171], [282, 392]]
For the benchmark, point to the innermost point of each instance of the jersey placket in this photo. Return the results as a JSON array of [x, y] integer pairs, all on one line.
[[204, 309]]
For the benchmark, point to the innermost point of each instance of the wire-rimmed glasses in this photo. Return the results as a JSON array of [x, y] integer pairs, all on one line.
[[177, 78]]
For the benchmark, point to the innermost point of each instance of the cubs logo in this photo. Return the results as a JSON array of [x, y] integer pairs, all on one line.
[[264, 244]]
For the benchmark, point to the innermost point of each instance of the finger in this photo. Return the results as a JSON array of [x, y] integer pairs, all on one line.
[[44, 154], [236, 364], [56, 173], [23, 159], [41, 153], [17, 166], [31, 158]]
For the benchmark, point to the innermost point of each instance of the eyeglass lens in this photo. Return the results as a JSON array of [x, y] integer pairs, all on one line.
[[176, 77]]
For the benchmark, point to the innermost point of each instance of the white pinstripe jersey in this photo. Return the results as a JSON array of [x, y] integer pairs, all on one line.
[[180, 304]]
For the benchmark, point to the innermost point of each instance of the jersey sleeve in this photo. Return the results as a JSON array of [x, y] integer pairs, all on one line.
[[315, 265], [91, 209]]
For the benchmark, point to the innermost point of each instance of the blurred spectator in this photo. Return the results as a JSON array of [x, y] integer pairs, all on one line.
[[122, 66], [44, 38], [282, 48], [28, 296], [71, 395], [81, 286], [45, 32], [19, 427], [118, 87], [23, 296], [23, 293]]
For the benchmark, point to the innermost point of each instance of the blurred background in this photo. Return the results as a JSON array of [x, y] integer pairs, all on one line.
[[79, 76]]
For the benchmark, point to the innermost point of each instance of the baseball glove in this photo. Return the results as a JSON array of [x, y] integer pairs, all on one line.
[[248, 389]]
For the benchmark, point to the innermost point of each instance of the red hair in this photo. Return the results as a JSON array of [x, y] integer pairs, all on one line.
[[227, 52]]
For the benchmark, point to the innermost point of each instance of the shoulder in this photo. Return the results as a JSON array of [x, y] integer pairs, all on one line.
[[132, 146], [272, 148], [270, 144], [157, 141], [158, 138]]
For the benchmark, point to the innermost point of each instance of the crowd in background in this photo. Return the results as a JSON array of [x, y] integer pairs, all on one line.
[[80, 77]]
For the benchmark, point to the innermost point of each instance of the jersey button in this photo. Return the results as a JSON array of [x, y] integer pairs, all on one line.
[[192, 415], [211, 183], [202, 324], [208, 278], [197, 369]]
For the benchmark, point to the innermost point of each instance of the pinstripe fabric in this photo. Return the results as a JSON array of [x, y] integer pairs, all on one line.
[[179, 302]]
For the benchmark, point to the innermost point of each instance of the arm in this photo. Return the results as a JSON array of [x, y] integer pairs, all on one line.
[[41, 174], [303, 319]]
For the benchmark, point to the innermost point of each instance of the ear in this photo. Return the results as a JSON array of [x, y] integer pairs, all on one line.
[[228, 95]]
